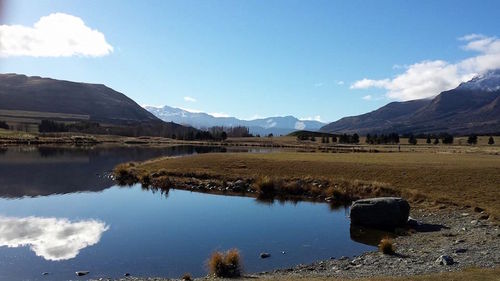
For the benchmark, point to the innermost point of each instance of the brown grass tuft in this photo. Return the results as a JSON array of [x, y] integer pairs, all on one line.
[[186, 277], [226, 265], [386, 246]]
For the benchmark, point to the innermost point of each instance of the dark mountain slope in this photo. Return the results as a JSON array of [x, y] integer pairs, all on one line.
[[100, 103], [472, 107]]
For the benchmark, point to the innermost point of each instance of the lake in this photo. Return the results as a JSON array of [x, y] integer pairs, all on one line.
[[60, 212]]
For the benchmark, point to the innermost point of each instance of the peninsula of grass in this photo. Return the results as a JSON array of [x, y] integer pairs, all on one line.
[[442, 179]]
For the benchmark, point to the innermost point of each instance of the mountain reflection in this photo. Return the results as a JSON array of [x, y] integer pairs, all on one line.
[[53, 239], [41, 171]]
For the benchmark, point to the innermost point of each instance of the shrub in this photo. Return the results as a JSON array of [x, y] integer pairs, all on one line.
[[124, 175], [226, 265], [491, 140], [187, 277], [265, 186], [386, 246], [4, 125]]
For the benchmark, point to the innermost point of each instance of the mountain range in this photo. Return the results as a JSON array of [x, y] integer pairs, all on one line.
[[275, 125], [472, 107]]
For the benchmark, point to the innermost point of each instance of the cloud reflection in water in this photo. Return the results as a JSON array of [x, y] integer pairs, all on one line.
[[51, 238]]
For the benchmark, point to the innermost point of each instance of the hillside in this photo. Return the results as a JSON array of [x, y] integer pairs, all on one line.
[[263, 126], [472, 107], [25, 101], [94, 102]]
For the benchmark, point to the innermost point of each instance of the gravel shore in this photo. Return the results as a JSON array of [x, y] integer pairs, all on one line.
[[464, 236]]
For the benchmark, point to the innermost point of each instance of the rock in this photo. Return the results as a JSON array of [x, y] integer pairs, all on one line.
[[265, 255], [382, 212], [82, 273], [45, 273], [444, 260], [126, 274], [413, 222], [283, 252], [460, 251]]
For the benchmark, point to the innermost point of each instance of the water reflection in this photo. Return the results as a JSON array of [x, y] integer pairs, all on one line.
[[53, 239], [40, 171]]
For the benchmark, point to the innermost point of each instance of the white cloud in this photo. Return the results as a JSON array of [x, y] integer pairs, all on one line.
[[51, 238], [428, 78], [190, 99], [340, 83], [314, 118], [319, 84], [367, 97], [299, 125], [219, 114], [55, 35]]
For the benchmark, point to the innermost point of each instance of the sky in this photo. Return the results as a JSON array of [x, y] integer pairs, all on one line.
[[320, 60]]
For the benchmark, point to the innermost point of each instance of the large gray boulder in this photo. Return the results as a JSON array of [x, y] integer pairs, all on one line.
[[382, 212]]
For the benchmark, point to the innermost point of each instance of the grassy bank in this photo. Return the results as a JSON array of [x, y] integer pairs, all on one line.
[[463, 179]]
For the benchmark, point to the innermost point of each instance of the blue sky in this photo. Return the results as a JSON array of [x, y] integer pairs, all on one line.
[[268, 58]]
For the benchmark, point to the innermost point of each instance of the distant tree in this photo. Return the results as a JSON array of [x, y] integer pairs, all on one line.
[[327, 139], [334, 139], [270, 135], [48, 126], [447, 139], [428, 141], [313, 138], [472, 139], [436, 141], [412, 139], [491, 140], [258, 136], [223, 135], [355, 138], [368, 139], [3, 125], [323, 139]]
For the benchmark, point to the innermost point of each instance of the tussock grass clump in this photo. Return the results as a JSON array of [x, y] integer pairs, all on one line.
[[265, 186], [226, 265], [386, 246], [186, 277], [125, 174]]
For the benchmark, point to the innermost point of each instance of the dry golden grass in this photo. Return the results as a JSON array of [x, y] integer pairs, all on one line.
[[386, 246], [227, 265], [470, 274], [465, 179]]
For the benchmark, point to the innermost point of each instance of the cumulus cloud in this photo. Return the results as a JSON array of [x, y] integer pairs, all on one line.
[[51, 238], [189, 99], [367, 97], [340, 83], [55, 35], [428, 78]]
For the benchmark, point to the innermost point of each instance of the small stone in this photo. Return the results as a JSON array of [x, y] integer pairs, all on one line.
[[45, 273], [473, 222], [283, 252], [465, 214], [478, 210], [81, 273], [126, 274], [265, 255], [445, 260], [460, 251]]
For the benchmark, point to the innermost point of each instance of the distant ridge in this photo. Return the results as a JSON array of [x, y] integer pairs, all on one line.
[[263, 126], [472, 107]]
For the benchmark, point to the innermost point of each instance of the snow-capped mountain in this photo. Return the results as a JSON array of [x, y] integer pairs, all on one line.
[[275, 125], [489, 81]]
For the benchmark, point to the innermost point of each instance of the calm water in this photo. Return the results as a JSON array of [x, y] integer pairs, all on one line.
[[59, 213]]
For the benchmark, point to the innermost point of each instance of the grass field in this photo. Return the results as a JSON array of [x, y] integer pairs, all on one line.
[[460, 178]]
